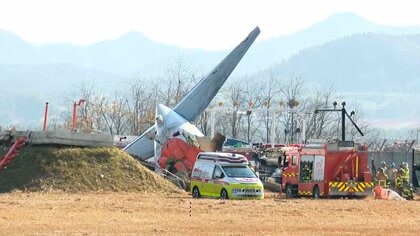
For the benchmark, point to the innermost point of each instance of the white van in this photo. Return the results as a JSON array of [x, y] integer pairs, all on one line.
[[224, 175]]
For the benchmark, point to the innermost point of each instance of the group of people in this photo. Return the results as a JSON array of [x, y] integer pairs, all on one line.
[[396, 179]]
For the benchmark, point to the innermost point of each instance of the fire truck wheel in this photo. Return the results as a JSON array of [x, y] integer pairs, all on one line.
[[196, 192], [289, 191], [224, 194], [315, 193]]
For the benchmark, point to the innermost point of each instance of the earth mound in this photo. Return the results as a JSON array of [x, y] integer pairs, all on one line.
[[79, 169]]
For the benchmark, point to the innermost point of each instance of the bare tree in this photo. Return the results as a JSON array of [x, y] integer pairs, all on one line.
[[375, 140], [202, 122], [97, 105], [84, 92], [140, 101], [252, 95], [318, 122], [113, 114], [179, 80], [413, 134], [119, 115], [292, 91], [236, 99], [356, 114], [143, 96], [271, 91]]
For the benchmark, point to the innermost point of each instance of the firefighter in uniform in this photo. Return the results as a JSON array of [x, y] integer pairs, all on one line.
[[382, 176], [403, 182], [392, 175], [406, 173], [398, 182], [306, 173], [407, 191]]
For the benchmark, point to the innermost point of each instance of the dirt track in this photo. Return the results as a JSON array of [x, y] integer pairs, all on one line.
[[146, 214]]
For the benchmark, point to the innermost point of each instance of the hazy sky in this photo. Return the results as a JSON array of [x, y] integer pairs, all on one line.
[[210, 24]]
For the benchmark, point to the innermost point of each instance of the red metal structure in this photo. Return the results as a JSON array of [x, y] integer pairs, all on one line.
[[325, 170], [81, 101], [176, 151], [12, 152]]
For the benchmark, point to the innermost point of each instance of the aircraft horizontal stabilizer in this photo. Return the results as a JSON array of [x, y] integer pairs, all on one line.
[[143, 146]]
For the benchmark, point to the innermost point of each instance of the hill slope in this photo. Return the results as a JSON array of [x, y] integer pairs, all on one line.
[[134, 53], [380, 72]]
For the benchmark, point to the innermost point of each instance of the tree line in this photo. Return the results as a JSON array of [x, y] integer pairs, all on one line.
[[255, 109]]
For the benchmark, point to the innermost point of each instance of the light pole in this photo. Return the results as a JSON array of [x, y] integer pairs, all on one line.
[[343, 118], [81, 101], [304, 116], [271, 136], [248, 129], [292, 103], [292, 133], [213, 118]]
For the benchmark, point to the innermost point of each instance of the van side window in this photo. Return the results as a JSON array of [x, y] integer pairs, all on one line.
[[207, 170], [294, 160], [197, 170], [217, 174]]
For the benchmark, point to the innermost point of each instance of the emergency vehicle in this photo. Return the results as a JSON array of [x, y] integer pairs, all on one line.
[[224, 175], [337, 168]]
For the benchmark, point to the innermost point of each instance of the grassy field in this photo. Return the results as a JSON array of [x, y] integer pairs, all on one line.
[[101, 213]]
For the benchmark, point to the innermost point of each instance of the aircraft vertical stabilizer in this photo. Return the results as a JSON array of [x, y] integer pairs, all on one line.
[[197, 99]]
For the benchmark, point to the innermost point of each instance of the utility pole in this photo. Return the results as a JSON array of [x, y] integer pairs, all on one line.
[[343, 118]]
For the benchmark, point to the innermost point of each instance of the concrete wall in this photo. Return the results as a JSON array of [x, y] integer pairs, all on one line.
[[71, 139]]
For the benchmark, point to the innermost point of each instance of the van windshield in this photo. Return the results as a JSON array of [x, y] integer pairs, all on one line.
[[239, 172]]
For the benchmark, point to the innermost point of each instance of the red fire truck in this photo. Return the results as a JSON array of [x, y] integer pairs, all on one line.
[[338, 168]]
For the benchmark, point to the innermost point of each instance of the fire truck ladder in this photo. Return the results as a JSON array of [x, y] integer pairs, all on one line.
[[12, 152], [340, 170]]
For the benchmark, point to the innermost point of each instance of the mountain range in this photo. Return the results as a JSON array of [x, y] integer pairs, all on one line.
[[374, 65], [380, 72]]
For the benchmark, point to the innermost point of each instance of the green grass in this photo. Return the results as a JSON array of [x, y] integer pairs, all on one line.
[[79, 169]]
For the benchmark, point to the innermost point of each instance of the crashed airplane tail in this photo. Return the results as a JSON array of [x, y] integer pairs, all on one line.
[[197, 99]]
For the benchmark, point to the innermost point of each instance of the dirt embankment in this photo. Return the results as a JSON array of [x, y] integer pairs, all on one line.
[[79, 170]]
